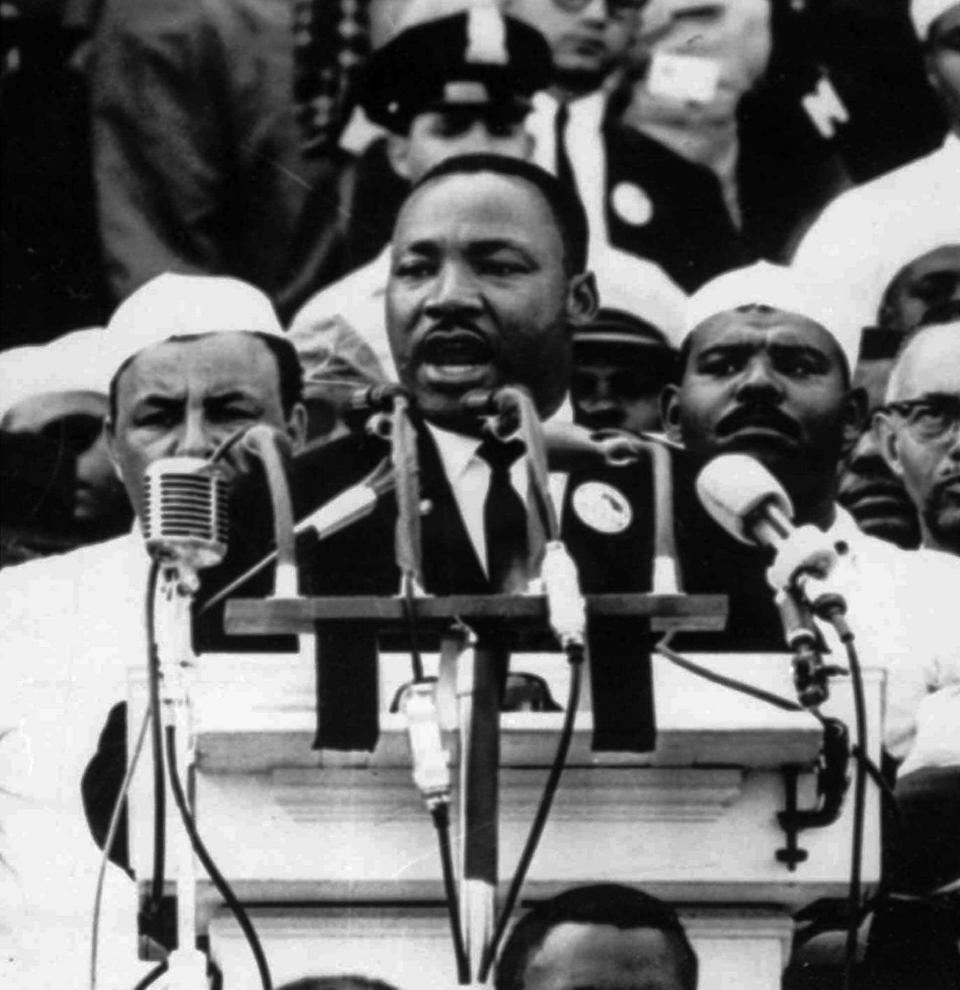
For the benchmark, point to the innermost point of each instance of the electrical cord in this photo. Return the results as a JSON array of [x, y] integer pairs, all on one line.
[[156, 745], [223, 888], [440, 814], [112, 830], [576, 656], [859, 801], [152, 976]]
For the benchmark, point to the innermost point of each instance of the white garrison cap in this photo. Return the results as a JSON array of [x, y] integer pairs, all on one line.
[[924, 12], [80, 361], [172, 305], [778, 287], [640, 287]]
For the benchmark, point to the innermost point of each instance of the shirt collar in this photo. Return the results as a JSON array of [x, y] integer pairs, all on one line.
[[457, 450]]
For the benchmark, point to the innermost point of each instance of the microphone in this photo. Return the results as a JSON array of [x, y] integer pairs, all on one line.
[[186, 520], [752, 506]]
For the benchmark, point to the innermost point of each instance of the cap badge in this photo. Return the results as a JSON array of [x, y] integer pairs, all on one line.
[[631, 204], [486, 37], [601, 507]]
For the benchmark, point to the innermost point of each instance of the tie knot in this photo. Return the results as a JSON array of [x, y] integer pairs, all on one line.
[[500, 455]]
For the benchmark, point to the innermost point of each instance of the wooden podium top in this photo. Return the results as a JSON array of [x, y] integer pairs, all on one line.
[[527, 615]]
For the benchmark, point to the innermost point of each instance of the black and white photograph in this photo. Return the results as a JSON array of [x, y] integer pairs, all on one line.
[[480, 495]]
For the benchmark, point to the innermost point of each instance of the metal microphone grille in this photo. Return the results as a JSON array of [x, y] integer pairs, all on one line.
[[186, 517]]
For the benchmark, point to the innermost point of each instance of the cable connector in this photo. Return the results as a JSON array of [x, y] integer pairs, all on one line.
[[431, 762], [565, 604]]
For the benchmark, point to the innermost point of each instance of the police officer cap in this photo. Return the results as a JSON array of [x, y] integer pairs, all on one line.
[[472, 58], [617, 327]]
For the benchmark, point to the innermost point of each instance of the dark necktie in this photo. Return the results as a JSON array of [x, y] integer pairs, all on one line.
[[564, 168], [504, 518]]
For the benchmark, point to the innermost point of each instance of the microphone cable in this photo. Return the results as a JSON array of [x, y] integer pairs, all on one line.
[[441, 820], [150, 978], [577, 656], [223, 888], [112, 829], [156, 740], [859, 805]]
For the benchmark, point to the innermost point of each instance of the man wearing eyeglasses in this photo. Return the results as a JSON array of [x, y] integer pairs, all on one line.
[[914, 944], [920, 431]]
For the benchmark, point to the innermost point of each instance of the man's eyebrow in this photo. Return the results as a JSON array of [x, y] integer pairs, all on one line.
[[231, 395], [943, 398]]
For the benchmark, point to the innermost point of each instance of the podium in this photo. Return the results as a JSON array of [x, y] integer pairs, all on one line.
[[336, 859]]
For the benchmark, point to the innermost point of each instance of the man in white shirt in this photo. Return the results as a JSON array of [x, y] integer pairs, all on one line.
[[196, 358], [766, 372]]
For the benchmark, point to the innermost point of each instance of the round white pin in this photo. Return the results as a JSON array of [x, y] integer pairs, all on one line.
[[602, 507], [631, 204]]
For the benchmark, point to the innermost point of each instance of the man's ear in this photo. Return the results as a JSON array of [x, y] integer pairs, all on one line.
[[297, 426], [583, 300], [854, 417], [398, 154], [888, 441], [670, 412]]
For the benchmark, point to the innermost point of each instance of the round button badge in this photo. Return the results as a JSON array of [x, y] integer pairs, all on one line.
[[601, 507], [631, 204]]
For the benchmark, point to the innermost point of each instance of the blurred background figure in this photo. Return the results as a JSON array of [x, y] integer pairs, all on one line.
[[736, 86], [927, 284], [620, 365], [60, 490], [215, 129], [468, 95], [641, 196], [52, 274]]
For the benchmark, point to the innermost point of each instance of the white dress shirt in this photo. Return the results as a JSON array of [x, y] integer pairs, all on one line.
[[469, 477]]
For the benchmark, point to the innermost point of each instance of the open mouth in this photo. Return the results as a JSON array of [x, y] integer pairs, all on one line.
[[875, 497], [456, 359], [949, 488]]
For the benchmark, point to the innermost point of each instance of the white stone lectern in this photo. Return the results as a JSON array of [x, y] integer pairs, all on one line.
[[336, 858]]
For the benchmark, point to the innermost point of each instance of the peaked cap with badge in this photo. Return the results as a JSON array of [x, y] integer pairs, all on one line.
[[472, 58]]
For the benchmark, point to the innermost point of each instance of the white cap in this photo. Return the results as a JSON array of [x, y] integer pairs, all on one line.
[[924, 12], [80, 361], [172, 305], [778, 287], [639, 287]]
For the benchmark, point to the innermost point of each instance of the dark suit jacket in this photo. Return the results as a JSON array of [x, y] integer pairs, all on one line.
[[690, 233]]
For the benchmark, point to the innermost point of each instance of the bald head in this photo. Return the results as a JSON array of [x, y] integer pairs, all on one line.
[[930, 362]]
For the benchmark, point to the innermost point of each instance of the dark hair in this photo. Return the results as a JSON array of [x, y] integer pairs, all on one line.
[[337, 983], [289, 370], [598, 904], [565, 205]]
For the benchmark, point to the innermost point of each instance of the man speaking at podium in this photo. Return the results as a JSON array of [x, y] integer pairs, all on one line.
[[488, 280]]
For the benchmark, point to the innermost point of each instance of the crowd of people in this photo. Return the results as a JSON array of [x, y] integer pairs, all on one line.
[[720, 227]]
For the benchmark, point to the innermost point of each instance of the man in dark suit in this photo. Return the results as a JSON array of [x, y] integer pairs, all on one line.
[[488, 279], [641, 197]]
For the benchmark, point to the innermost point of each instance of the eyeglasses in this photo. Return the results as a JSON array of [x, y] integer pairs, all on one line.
[[933, 420], [614, 7]]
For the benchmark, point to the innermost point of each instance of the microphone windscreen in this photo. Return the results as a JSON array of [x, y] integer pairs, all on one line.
[[732, 487], [186, 511]]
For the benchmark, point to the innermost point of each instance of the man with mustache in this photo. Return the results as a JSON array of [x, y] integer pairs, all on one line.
[[919, 435], [766, 372], [195, 358], [488, 283]]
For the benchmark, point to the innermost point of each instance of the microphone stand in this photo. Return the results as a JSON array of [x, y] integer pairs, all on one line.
[[187, 966]]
